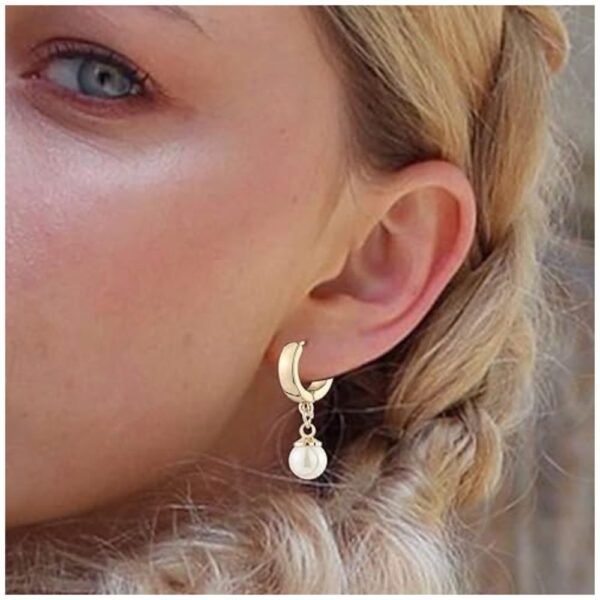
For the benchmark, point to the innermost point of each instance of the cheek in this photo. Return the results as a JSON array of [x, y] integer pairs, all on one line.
[[141, 291]]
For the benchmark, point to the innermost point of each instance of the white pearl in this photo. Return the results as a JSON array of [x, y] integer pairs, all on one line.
[[307, 462]]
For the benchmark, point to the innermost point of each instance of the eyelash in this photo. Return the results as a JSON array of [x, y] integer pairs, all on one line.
[[62, 48]]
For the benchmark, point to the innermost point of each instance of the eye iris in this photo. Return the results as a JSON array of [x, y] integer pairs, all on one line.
[[98, 78]]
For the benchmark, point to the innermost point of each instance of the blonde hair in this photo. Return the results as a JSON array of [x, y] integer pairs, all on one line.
[[420, 434]]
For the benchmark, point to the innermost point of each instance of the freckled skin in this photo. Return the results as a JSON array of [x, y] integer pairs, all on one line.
[[151, 258]]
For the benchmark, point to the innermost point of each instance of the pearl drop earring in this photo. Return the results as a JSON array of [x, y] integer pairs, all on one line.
[[307, 458]]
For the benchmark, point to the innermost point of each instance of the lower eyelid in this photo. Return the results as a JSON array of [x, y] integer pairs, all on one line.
[[39, 90]]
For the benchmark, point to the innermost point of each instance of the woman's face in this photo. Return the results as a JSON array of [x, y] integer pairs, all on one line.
[[157, 232]]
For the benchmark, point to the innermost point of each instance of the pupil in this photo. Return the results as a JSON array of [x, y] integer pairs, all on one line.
[[103, 76]]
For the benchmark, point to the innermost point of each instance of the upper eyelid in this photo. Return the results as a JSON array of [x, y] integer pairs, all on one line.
[[50, 48]]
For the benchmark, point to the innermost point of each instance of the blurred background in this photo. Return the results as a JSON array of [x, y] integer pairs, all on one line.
[[541, 534]]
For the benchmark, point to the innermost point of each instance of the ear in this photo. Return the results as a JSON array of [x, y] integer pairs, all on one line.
[[421, 230]]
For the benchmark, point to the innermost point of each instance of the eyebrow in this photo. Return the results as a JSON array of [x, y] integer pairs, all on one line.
[[176, 12]]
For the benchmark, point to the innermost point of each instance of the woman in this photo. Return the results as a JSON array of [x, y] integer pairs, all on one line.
[[192, 189]]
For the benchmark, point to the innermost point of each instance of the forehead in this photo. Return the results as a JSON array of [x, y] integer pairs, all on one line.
[[262, 39], [280, 42], [247, 25]]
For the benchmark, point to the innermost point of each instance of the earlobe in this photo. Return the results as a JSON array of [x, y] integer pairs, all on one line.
[[389, 283]]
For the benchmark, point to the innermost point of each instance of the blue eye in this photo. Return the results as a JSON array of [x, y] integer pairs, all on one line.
[[91, 77], [90, 70]]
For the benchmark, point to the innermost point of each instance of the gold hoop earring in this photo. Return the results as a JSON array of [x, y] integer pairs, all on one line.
[[307, 458]]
